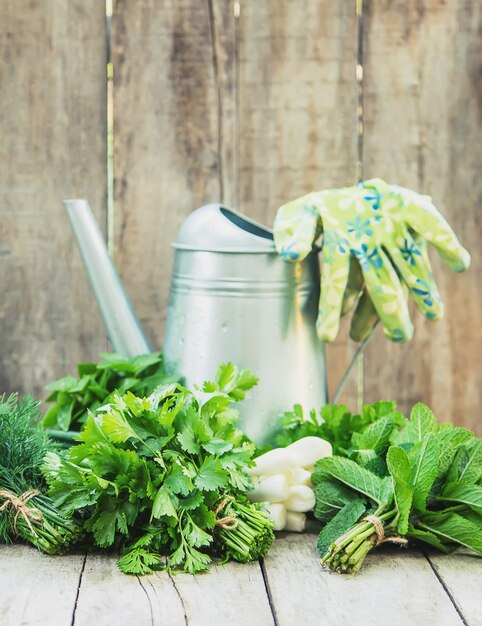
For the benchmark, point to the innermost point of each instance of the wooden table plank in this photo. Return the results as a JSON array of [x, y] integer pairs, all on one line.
[[393, 588], [232, 594], [35, 589], [461, 575], [108, 597]]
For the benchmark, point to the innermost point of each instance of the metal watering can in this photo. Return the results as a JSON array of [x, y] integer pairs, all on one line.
[[232, 299]]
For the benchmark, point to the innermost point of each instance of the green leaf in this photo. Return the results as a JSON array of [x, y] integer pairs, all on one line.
[[195, 535], [331, 497], [140, 561], [358, 478], [164, 504], [116, 427], [49, 420], [64, 416], [192, 501], [62, 384], [211, 475], [217, 446], [471, 495], [187, 439], [467, 464], [179, 481], [423, 421], [424, 458], [375, 437], [430, 538], [400, 470], [106, 524], [345, 519], [195, 561], [84, 369], [452, 527]]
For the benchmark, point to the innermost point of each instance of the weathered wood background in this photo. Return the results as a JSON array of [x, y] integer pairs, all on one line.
[[250, 103]]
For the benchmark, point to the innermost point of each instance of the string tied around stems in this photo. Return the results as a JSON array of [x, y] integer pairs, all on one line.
[[377, 524], [228, 522], [21, 507]]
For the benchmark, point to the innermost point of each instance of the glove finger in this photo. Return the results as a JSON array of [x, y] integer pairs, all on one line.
[[421, 215], [412, 261], [386, 292], [354, 287], [296, 226], [334, 276], [364, 320]]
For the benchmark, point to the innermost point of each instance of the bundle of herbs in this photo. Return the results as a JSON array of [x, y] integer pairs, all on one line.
[[397, 480], [164, 476], [72, 398], [26, 512]]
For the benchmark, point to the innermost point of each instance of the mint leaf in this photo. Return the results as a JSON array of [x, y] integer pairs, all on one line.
[[331, 497], [346, 517], [454, 528], [431, 539], [375, 437], [424, 458], [471, 495], [211, 475], [423, 421], [358, 478], [400, 470]]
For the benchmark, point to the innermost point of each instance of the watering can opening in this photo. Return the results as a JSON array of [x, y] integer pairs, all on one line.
[[247, 224]]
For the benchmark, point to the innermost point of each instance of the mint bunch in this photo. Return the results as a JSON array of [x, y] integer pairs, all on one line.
[[413, 479], [164, 476], [73, 397]]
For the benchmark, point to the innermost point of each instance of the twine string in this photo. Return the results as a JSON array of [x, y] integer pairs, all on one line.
[[377, 524], [228, 522], [20, 505]]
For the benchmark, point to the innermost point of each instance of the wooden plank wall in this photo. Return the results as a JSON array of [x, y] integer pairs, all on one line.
[[249, 103], [52, 146], [422, 118]]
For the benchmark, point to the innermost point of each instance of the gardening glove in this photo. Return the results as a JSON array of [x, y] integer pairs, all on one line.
[[385, 229]]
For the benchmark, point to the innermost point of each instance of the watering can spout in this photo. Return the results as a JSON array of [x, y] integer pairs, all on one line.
[[122, 325]]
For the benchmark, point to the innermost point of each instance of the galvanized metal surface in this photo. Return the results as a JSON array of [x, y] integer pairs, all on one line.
[[233, 299], [123, 327]]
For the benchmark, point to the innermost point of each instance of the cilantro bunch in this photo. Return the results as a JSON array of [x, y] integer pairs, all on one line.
[[399, 479], [72, 398], [164, 476]]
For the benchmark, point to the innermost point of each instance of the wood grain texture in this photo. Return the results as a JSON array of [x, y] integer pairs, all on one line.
[[461, 575], [166, 138], [108, 597], [393, 588], [297, 114], [422, 119], [53, 146], [37, 590]]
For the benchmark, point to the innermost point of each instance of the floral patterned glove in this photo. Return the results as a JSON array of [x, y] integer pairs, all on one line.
[[385, 228]]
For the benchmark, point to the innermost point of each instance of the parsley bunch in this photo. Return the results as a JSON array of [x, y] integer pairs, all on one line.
[[149, 474], [404, 479]]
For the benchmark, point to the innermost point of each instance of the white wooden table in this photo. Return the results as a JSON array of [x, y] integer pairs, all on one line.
[[396, 587]]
